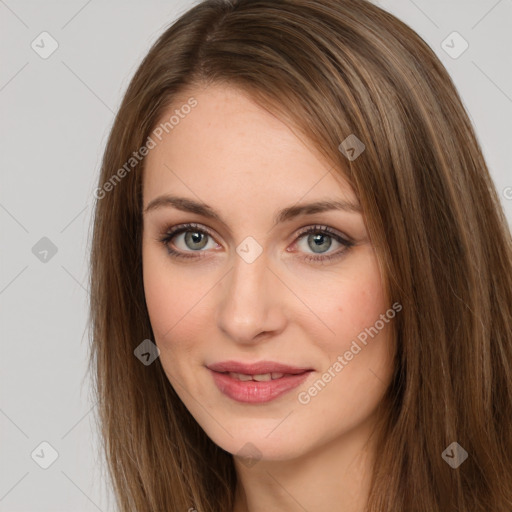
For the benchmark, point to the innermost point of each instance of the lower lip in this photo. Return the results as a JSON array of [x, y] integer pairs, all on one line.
[[257, 392]]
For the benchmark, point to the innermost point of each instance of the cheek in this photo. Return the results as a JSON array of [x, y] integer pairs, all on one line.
[[175, 299], [165, 293], [165, 308], [359, 307], [159, 299], [352, 301], [359, 355]]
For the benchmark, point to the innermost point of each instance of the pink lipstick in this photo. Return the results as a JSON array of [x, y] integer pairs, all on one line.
[[257, 382]]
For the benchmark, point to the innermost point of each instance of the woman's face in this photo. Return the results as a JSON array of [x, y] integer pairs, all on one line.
[[239, 288]]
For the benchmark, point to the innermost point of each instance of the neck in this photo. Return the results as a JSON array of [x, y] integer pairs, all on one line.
[[333, 476]]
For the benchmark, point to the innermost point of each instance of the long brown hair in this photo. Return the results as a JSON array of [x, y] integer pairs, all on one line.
[[331, 68]]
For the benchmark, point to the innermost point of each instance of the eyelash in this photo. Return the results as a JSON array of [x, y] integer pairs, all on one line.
[[325, 230]]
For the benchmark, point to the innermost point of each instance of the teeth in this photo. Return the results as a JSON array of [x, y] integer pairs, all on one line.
[[259, 378], [240, 376], [263, 377]]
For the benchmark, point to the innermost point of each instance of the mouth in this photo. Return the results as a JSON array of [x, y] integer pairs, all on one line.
[[258, 382], [259, 368], [262, 377]]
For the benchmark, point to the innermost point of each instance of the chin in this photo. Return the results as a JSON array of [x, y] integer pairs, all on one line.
[[256, 444]]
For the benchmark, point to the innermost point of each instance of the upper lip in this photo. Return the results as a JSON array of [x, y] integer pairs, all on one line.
[[258, 368]]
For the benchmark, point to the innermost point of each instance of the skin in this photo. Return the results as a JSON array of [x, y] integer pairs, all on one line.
[[247, 164]]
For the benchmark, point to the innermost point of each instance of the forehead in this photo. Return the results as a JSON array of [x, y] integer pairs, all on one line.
[[228, 146]]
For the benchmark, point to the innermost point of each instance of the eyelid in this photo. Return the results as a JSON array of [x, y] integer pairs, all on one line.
[[174, 229], [178, 229], [323, 228]]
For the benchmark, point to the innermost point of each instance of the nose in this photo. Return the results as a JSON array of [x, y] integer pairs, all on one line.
[[251, 306]]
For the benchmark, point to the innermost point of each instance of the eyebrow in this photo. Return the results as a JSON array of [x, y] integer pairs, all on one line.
[[286, 214]]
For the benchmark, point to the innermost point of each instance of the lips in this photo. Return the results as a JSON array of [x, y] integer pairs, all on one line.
[[259, 368], [256, 382]]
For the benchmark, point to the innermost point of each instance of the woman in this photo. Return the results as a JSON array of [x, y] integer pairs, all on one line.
[[242, 361]]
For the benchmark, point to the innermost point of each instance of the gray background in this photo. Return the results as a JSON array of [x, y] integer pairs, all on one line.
[[55, 117]]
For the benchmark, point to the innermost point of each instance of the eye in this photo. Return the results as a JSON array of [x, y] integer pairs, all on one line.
[[320, 239], [193, 238]]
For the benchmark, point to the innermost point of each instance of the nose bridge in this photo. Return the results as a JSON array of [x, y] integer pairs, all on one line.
[[249, 303]]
